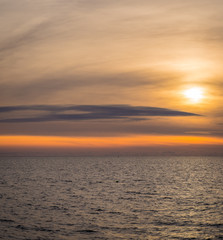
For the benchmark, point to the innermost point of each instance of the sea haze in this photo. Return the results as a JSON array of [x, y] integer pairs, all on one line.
[[111, 198]]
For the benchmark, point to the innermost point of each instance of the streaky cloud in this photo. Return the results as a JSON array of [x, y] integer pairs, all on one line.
[[87, 112]]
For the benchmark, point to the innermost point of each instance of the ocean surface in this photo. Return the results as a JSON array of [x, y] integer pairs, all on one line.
[[111, 198]]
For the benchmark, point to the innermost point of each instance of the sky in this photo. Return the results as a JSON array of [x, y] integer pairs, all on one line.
[[105, 76]]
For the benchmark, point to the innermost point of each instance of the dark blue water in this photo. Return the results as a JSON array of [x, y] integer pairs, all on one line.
[[111, 198]]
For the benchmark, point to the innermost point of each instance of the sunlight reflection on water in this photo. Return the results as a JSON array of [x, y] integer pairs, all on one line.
[[111, 198]]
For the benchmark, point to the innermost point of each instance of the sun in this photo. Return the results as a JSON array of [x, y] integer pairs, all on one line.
[[194, 94]]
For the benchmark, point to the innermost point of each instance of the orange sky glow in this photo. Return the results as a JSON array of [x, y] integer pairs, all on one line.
[[51, 141]]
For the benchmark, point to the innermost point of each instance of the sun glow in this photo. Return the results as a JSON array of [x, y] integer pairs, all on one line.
[[194, 94]]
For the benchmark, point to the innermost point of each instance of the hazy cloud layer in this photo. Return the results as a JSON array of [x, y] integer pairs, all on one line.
[[50, 87], [89, 112]]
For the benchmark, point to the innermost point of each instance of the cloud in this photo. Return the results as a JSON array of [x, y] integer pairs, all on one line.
[[65, 84], [86, 112], [23, 39]]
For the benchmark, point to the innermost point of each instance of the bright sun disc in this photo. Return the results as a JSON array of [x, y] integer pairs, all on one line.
[[194, 94]]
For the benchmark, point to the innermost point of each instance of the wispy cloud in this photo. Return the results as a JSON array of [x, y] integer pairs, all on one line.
[[24, 38], [49, 86], [88, 112]]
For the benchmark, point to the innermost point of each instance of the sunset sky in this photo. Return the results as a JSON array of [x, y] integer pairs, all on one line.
[[83, 76]]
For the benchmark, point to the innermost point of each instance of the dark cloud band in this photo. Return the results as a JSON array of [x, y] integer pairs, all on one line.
[[86, 112]]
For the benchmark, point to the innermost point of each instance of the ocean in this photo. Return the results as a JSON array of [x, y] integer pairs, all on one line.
[[56, 198]]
